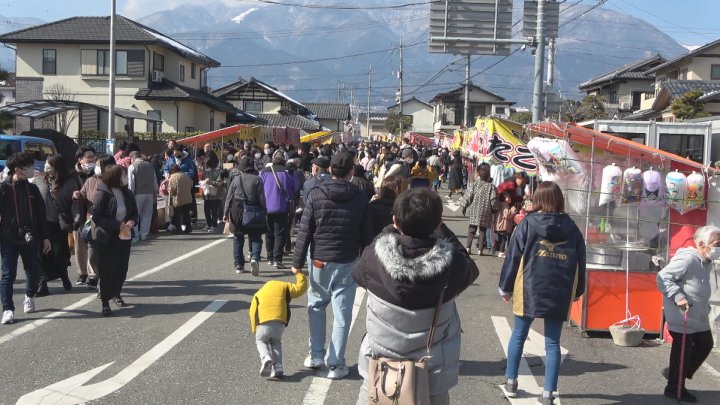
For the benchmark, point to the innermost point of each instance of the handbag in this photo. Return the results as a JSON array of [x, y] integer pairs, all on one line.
[[253, 216], [86, 230], [404, 381]]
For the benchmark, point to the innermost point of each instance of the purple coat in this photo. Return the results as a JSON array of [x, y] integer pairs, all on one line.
[[277, 202]]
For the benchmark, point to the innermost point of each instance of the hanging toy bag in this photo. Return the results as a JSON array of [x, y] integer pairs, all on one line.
[[611, 185], [653, 190], [676, 185], [632, 185], [695, 194]]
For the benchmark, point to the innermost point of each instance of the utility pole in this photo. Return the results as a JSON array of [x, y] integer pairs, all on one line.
[[111, 101], [467, 91], [400, 74], [537, 108], [367, 116]]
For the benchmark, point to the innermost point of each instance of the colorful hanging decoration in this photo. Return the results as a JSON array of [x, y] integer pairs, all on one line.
[[632, 185], [611, 186], [676, 184], [653, 192], [695, 195], [555, 156]]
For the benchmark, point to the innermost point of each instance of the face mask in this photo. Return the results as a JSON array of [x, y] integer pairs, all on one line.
[[97, 171], [124, 181], [268, 151], [49, 169], [258, 155], [29, 172], [88, 167], [714, 253]]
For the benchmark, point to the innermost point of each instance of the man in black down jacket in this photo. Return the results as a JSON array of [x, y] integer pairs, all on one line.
[[334, 227]]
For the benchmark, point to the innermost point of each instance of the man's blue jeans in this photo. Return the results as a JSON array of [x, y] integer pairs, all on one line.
[[255, 247], [553, 329], [31, 262], [333, 283]]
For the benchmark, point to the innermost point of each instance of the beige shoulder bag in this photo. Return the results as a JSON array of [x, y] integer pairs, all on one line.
[[402, 382]]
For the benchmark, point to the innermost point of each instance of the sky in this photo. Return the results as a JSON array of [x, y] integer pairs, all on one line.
[[690, 22]]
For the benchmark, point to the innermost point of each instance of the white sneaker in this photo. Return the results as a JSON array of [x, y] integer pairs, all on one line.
[[277, 371], [29, 305], [265, 367], [8, 317], [254, 267], [314, 363], [338, 372]]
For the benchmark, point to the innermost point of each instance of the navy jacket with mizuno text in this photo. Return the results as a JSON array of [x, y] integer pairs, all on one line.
[[544, 266]]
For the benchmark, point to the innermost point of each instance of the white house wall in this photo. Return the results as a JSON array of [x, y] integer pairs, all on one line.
[[94, 89]]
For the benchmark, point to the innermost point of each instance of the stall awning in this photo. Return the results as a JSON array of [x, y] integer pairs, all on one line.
[[614, 144], [37, 109], [209, 136], [315, 136]]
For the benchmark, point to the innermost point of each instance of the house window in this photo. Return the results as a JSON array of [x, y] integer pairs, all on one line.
[[212, 119], [157, 114], [689, 146], [192, 71], [158, 62], [683, 74], [636, 100], [49, 66], [189, 129], [500, 110], [96, 62], [182, 73], [613, 97], [103, 62], [253, 106], [714, 72]]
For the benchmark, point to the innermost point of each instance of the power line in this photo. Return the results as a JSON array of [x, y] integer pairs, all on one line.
[[313, 60], [324, 7]]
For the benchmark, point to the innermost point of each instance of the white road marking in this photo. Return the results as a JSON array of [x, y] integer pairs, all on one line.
[[72, 391], [319, 386], [711, 370], [529, 389], [92, 297], [452, 205]]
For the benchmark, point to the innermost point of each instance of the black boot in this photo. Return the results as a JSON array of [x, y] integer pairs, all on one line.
[[43, 291], [67, 284]]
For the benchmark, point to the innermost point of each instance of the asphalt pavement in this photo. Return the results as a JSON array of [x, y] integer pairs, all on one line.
[[185, 339]]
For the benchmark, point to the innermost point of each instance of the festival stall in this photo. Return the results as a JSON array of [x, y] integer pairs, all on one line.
[[419, 139], [635, 205], [233, 136]]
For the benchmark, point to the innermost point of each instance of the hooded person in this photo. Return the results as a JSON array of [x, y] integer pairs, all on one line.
[[543, 273], [404, 271]]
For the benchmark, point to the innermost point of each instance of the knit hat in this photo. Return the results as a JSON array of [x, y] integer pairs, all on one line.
[[245, 164]]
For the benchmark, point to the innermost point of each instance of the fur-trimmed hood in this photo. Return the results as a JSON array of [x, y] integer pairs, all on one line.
[[391, 253]]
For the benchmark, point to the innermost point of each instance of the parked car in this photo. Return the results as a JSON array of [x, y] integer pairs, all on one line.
[[40, 149]]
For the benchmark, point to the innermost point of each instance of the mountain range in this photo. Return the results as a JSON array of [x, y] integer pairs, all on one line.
[[324, 54]]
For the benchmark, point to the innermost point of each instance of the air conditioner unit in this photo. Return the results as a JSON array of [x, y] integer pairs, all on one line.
[[625, 106], [157, 76]]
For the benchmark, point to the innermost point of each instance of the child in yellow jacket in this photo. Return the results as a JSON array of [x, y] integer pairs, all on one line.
[[269, 315]]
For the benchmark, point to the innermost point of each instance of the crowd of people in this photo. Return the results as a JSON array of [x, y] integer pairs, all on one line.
[[367, 214]]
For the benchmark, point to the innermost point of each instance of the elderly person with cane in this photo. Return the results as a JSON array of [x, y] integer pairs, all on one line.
[[685, 285]]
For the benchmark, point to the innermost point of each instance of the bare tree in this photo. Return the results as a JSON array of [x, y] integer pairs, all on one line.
[[59, 92]]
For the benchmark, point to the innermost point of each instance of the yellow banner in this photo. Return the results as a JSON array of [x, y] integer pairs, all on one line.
[[314, 136], [498, 141]]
